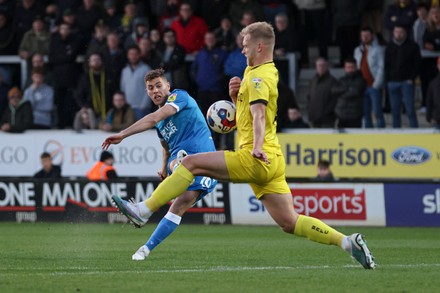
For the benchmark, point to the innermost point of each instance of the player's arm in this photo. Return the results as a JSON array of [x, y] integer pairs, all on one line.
[[147, 122], [258, 111], [163, 173], [234, 87]]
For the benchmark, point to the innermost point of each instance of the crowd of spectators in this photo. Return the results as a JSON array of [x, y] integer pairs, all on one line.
[[121, 40]]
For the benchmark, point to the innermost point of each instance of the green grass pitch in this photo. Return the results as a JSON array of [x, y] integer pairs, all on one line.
[[54, 257]]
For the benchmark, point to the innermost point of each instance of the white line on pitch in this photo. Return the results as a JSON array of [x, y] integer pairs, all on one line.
[[83, 270]]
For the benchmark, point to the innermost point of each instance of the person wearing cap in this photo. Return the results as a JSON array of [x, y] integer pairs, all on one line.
[[103, 170], [433, 100], [18, 116], [111, 16], [36, 40]]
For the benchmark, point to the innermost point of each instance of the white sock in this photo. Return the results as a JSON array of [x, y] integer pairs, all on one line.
[[173, 218], [144, 211], [346, 244]]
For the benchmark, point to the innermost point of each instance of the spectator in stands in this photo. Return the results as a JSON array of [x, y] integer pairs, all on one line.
[[322, 96], [89, 14], [433, 100], [4, 89], [173, 61], [316, 26], [103, 170], [25, 13], [127, 18], [273, 7], [95, 89], [369, 57], [247, 18], [208, 72], [51, 17], [48, 170], [420, 24], [170, 14], [64, 49], [236, 63], [402, 13], [238, 7], [99, 39], [85, 119], [18, 115], [372, 16], [286, 100], [286, 38], [113, 58], [111, 16], [431, 42], [349, 107], [190, 29], [225, 35], [427, 71], [346, 17], [295, 120], [70, 18], [133, 85], [402, 64], [149, 55], [41, 97], [324, 171], [155, 38], [8, 38], [140, 31], [36, 40], [120, 116], [37, 62]]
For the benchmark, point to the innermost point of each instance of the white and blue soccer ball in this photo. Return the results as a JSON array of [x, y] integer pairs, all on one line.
[[221, 116]]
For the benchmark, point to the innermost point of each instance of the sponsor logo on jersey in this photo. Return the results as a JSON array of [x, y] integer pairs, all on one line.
[[172, 98]]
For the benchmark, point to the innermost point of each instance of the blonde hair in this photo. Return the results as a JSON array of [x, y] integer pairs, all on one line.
[[432, 26], [260, 31]]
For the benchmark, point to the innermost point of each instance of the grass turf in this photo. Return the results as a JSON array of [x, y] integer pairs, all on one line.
[[55, 257]]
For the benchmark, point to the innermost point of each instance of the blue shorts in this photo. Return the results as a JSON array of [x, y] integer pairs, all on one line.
[[204, 184]]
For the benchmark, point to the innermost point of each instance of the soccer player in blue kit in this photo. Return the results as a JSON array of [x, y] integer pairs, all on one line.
[[182, 130]]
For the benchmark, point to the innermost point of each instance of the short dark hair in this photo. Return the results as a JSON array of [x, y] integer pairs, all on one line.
[[154, 74], [367, 29], [323, 164], [350, 59], [135, 47], [45, 155]]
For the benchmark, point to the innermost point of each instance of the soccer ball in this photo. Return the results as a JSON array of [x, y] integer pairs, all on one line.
[[221, 116]]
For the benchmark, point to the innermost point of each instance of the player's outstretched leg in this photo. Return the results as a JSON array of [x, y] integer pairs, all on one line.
[[360, 252], [166, 226], [137, 213]]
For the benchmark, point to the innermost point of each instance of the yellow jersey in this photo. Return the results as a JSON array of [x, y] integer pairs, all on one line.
[[259, 84]]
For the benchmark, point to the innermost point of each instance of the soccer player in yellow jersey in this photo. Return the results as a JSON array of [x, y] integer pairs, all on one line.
[[258, 160]]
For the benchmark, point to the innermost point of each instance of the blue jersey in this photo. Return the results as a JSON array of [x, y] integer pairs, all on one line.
[[187, 129]]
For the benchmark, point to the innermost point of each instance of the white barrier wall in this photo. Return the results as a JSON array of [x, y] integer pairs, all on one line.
[[138, 155]]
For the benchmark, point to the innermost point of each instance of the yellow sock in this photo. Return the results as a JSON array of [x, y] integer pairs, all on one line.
[[317, 231], [170, 188]]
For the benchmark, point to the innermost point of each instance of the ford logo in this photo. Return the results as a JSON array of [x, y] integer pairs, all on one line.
[[411, 155]]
